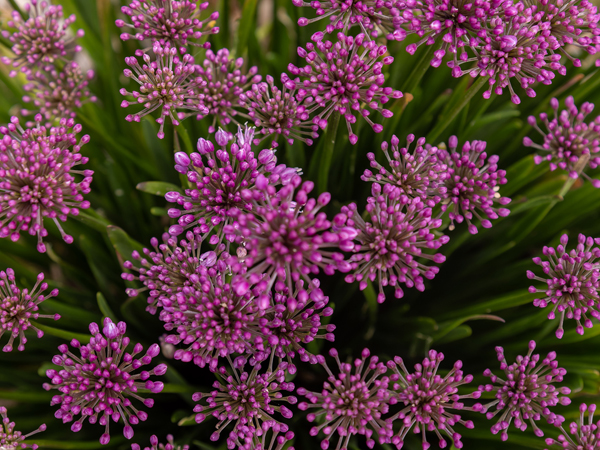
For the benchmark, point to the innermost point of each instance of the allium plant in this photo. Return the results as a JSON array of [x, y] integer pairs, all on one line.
[[428, 399], [38, 166], [170, 445], [391, 240], [569, 144], [472, 184], [11, 439], [40, 38], [352, 402], [345, 76], [168, 22], [527, 393], [99, 383], [581, 435], [19, 306], [572, 281]]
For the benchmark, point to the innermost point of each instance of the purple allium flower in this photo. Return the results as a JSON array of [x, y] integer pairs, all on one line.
[[391, 241], [41, 38], [11, 439], [569, 143], [98, 383], [218, 179], [18, 307], [527, 393], [418, 173], [173, 22], [168, 83], [582, 435], [572, 282], [168, 269], [351, 402], [170, 445], [428, 399], [57, 93], [280, 112], [286, 236], [224, 83], [374, 17], [472, 184], [37, 168], [343, 77], [249, 401]]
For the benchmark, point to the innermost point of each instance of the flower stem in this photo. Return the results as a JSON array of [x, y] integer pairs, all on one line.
[[447, 118], [327, 153]]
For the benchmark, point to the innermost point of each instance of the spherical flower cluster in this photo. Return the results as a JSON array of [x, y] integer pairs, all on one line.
[[98, 383], [170, 445], [569, 144], [428, 399], [18, 307], [572, 282], [374, 17], [472, 184], [57, 93], [11, 439], [224, 82], [279, 112], [249, 401], [168, 83], [582, 435], [527, 393], [168, 22], [345, 76], [391, 241], [218, 179], [41, 38], [417, 173], [37, 168], [351, 402]]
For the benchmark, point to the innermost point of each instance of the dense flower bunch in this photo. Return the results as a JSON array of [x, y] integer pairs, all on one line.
[[569, 144], [98, 383], [18, 307], [11, 439], [527, 393], [168, 22], [37, 178], [572, 282], [156, 446], [581, 435]]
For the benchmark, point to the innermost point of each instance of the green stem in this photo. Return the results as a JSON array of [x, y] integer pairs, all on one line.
[[327, 152], [447, 118], [419, 69]]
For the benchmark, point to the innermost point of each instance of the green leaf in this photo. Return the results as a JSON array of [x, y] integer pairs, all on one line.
[[124, 245], [159, 188], [64, 334], [510, 300], [247, 24], [105, 308], [29, 397], [75, 445]]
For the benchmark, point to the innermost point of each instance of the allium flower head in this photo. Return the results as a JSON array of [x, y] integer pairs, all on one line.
[[572, 282], [569, 143], [374, 17], [428, 399], [174, 22], [249, 401], [351, 402], [581, 435], [527, 393], [37, 168], [278, 112], [391, 241], [11, 439], [57, 93], [286, 235], [224, 82], [417, 173], [472, 184], [343, 77], [41, 38], [169, 83], [218, 179], [98, 384], [18, 307], [170, 445]]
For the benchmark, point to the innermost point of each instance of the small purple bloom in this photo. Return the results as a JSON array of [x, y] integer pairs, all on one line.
[[581, 435], [11, 439], [571, 283], [154, 445]]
